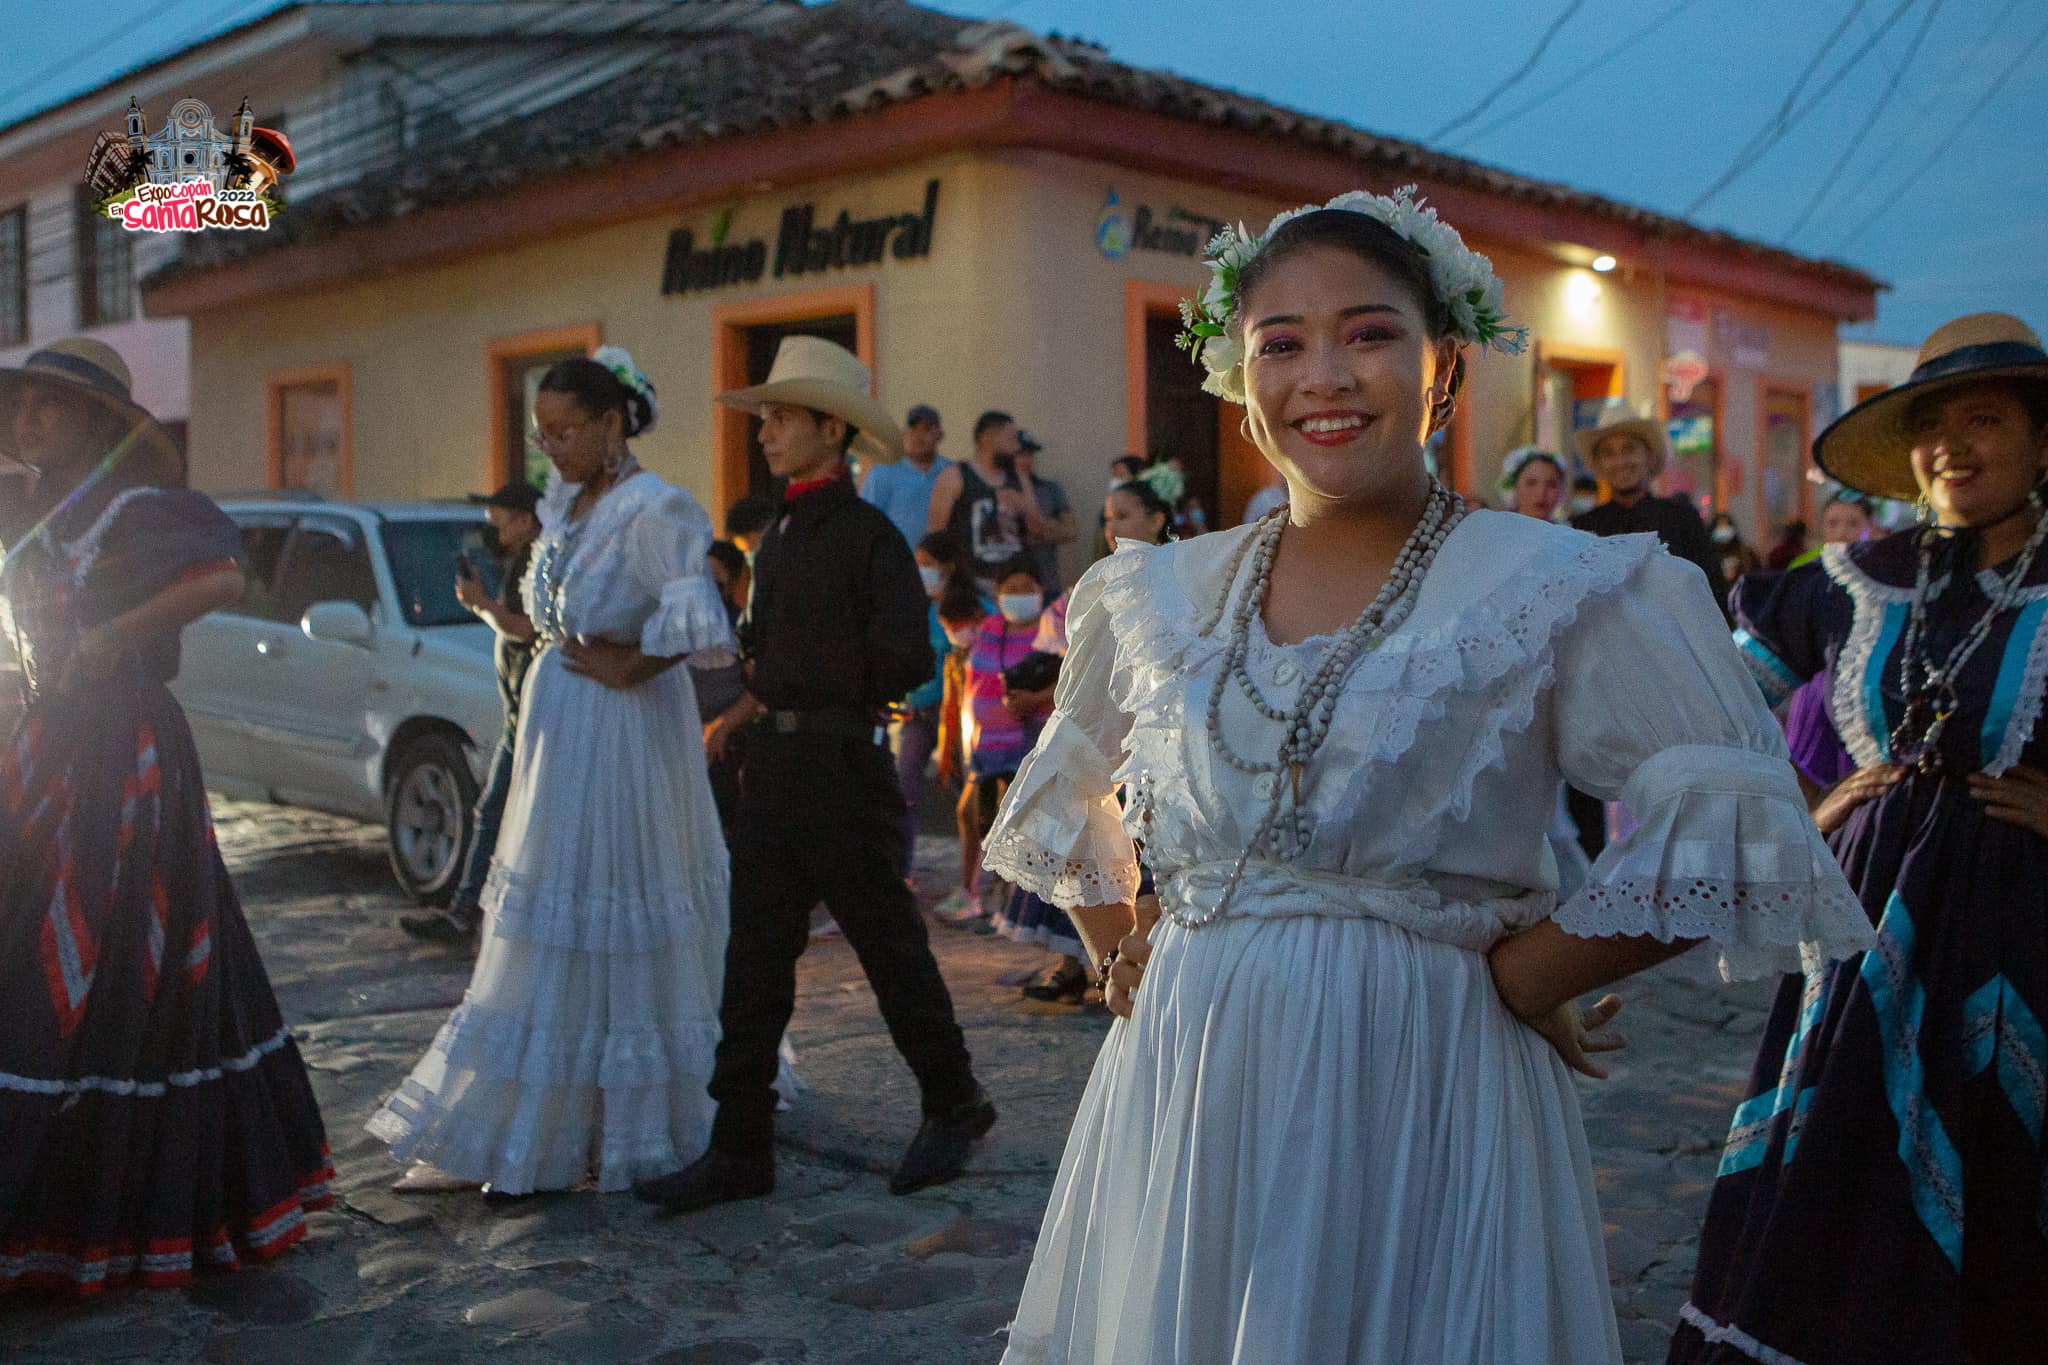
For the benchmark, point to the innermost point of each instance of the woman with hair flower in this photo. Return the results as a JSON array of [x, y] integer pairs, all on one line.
[[585, 1040], [1883, 1194], [1337, 1121]]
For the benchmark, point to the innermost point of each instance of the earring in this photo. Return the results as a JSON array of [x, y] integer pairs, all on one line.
[[1244, 429], [1923, 510]]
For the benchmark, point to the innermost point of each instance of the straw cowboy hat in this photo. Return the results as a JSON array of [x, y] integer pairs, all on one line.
[[1617, 415], [1869, 448], [83, 366], [811, 372]]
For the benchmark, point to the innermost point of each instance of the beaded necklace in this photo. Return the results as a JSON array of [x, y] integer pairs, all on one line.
[[1933, 699], [1306, 724]]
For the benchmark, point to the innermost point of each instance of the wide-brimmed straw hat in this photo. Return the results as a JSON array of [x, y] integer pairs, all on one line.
[[811, 372], [95, 370], [1870, 448], [1617, 415]]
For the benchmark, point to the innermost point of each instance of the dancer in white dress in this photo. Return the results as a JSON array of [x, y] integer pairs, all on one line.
[[586, 1037], [1337, 1123]]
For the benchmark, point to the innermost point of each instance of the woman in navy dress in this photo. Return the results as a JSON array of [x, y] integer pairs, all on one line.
[[1881, 1196], [155, 1117]]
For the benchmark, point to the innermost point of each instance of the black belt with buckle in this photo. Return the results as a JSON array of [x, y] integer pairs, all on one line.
[[838, 724]]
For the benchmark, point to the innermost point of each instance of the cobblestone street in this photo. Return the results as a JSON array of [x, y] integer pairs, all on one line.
[[831, 1269]]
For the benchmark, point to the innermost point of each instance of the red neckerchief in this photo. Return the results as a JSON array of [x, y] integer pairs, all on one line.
[[797, 489]]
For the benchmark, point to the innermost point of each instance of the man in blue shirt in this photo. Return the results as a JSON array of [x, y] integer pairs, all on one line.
[[903, 490]]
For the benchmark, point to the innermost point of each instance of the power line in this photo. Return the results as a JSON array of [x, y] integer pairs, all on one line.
[[1789, 117], [1542, 45], [1898, 194], [1877, 108], [1588, 69]]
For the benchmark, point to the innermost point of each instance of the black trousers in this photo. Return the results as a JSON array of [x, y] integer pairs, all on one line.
[[821, 818]]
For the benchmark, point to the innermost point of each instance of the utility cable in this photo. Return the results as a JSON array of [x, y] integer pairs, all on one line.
[[1542, 45], [1588, 69]]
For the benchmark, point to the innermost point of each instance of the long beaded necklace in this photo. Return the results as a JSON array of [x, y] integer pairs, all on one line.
[[1306, 724], [1933, 698]]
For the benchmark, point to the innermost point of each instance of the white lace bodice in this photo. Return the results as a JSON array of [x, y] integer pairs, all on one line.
[[1535, 654], [633, 569]]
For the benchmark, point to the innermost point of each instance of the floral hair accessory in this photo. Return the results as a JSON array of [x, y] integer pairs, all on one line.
[[1463, 280], [1520, 458], [1164, 480], [623, 368]]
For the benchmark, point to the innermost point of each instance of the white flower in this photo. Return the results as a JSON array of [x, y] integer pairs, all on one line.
[[1220, 355]]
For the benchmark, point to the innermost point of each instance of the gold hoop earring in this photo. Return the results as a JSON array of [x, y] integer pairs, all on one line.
[[1244, 429]]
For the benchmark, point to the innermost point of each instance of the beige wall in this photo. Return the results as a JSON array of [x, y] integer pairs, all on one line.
[[1015, 308]]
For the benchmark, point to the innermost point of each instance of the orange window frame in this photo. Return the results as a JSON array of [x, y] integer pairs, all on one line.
[[275, 384], [583, 336], [1766, 391], [729, 324], [1240, 465]]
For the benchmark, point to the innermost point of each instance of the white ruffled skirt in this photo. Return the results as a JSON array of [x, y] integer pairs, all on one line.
[[585, 1040], [1320, 1139]]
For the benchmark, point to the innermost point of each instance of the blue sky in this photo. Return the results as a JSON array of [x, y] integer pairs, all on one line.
[[1953, 230]]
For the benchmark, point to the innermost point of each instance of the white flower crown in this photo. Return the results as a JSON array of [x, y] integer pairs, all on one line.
[[1462, 278], [620, 362]]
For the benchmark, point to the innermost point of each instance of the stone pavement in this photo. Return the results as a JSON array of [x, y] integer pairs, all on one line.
[[832, 1270]]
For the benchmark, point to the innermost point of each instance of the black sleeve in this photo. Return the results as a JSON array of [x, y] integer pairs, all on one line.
[[899, 618], [159, 538], [1691, 540]]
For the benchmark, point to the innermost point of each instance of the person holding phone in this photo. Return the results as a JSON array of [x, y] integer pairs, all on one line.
[[515, 524]]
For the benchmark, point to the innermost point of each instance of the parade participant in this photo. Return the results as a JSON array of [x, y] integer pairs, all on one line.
[[157, 1118], [1880, 1194], [835, 633], [998, 738], [1338, 1121], [983, 502], [1847, 519], [1628, 452], [1055, 524], [584, 1041], [903, 488], [515, 525], [1533, 480]]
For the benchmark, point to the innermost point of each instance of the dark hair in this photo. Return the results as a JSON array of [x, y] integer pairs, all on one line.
[[1849, 497], [960, 603], [943, 546], [818, 419], [751, 515], [1018, 565], [1149, 499], [2033, 394], [989, 421], [600, 392], [1371, 241], [1135, 462], [728, 554]]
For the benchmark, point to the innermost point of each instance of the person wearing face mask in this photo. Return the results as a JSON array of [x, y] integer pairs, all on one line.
[[999, 737], [1352, 1033], [1737, 558], [1880, 1193]]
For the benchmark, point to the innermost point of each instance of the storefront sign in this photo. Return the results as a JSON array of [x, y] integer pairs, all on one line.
[[1683, 373], [801, 247], [1748, 344], [1177, 233]]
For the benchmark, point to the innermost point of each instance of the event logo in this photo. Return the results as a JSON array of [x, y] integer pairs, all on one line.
[[1112, 233], [189, 176]]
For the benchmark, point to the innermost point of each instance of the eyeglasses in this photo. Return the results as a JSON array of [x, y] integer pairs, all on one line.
[[555, 440]]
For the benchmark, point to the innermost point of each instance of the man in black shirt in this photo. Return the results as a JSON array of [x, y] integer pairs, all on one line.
[[515, 526], [836, 630]]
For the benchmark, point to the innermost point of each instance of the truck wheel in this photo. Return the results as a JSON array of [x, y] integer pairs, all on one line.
[[429, 814]]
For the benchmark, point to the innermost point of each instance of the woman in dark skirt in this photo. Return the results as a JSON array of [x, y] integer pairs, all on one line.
[[1882, 1195], [155, 1117]]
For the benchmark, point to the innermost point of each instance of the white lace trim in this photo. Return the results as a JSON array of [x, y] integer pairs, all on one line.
[[589, 920], [1845, 700], [1728, 1334], [115, 1085], [1054, 877], [1758, 928], [2026, 707], [690, 619]]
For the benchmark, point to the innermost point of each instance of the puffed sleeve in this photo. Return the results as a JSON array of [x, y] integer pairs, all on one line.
[[1654, 709], [1778, 627], [666, 547], [150, 539], [1059, 833]]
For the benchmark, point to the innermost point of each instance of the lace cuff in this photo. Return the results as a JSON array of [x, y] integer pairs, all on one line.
[[1059, 834], [690, 620], [1725, 851]]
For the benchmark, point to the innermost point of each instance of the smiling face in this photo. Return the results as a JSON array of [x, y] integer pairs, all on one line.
[[1976, 451], [1622, 461], [1538, 489], [1338, 362], [577, 441]]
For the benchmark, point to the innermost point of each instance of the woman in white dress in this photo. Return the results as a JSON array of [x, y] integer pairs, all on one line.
[[1337, 1123], [585, 1040]]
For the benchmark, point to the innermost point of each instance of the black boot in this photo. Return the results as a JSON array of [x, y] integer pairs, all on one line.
[[939, 1151], [717, 1177]]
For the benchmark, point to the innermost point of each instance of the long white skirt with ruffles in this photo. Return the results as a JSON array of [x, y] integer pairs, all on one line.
[[1320, 1139], [585, 1040]]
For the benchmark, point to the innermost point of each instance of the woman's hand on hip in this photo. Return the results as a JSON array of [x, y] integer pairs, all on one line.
[[1576, 1033], [1863, 785], [617, 666], [2018, 796], [1133, 951]]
